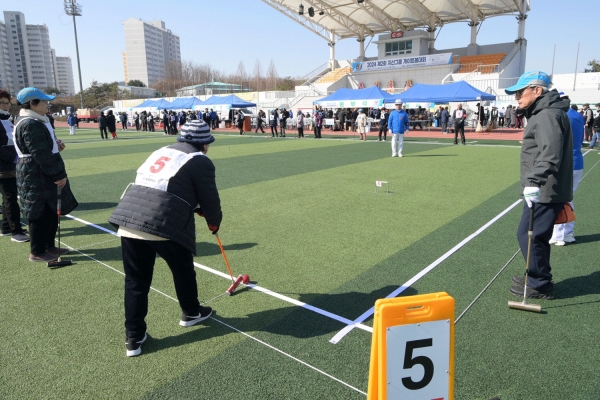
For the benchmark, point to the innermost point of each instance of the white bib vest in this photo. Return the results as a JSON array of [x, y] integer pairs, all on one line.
[[9, 128], [161, 166]]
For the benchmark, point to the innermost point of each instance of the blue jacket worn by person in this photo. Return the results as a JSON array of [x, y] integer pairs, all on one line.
[[444, 116], [173, 183], [546, 152], [72, 120], [577, 123], [398, 121]]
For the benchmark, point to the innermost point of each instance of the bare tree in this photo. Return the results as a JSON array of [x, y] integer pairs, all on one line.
[[257, 75], [240, 74], [271, 76]]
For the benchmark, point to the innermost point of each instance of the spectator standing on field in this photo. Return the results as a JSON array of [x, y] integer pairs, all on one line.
[[123, 119], [273, 123], [102, 125], [383, 124], [144, 121], [156, 216], [546, 176], [150, 122], [136, 121], [596, 129], [11, 212], [444, 117], [501, 118], [72, 121], [397, 125], [361, 122], [40, 170], [300, 124], [283, 121], [588, 115], [111, 124], [342, 119], [460, 116], [240, 121], [565, 233], [259, 121], [318, 115], [166, 122]]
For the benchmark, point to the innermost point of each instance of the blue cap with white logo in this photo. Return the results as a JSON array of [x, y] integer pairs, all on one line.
[[31, 93], [531, 78]]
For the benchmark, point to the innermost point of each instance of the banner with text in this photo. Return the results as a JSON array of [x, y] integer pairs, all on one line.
[[404, 62]]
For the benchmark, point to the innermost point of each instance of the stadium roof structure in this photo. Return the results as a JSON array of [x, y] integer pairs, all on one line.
[[341, 19]]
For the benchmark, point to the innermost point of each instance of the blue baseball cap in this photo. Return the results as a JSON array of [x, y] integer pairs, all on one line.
[[531, 78], [31, 93]]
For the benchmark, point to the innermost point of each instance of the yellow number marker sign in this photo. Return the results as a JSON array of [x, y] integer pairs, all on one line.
[[412, 353]]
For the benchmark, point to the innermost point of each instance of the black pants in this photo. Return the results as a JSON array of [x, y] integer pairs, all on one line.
[[241, 127], [282, 127], [137, 125], [166, 127], [174, 128], [145, 126], [103, 133], [274, 131], [42, 231], [300, 131], [382, 129], [139, 257], [151, 126], [123, 125], [544, 216], [459, 128], [11, 212], [259, 126], [501, 121]]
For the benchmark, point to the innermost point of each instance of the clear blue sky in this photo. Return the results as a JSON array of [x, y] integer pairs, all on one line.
[[222, 33]]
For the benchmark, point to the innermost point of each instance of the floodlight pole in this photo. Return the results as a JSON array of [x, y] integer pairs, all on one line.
[[74, 9]]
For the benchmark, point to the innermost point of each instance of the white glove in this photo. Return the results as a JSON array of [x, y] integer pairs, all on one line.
[[531, 195]]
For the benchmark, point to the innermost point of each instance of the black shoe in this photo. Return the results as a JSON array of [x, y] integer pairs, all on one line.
[[20, 238], [134, 346], [205, 312], [545, 292], [518, 280]]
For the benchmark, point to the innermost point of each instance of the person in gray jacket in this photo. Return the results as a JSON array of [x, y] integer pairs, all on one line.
[[546, 176]]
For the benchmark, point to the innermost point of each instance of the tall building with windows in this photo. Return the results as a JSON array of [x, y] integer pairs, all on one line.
[[26, 56], [64, 75], [149, 47]]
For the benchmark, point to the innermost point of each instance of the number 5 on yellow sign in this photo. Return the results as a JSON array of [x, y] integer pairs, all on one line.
[[412, 352]]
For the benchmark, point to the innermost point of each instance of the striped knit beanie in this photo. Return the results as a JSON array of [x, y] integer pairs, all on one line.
[[196, 132]]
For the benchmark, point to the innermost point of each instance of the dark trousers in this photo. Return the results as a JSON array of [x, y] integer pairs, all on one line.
[[137, 125], [42, 231], [11, 212], [300, 131], [274, 131], [544, 216], [103, 133], [501, 121], [459, 128], [166, 127], [317, 132], [383, 129], [151, 126], [145, 126], [259, 126], [173, 127], [139, 257], [123, 125], [282, 127]]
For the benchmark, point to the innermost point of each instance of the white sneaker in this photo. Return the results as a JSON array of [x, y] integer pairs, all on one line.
[[399, 154], [552, 241], [559, 243], [394, 155], [569, 237]]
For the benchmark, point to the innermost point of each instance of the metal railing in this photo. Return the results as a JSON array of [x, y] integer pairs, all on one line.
[[315, 73]]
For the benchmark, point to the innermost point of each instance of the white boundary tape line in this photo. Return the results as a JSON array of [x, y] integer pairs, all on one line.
[[340, 335], [229, 326], [253, 286]]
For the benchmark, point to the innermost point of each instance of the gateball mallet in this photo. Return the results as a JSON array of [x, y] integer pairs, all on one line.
[[59, 262], [234, 282]]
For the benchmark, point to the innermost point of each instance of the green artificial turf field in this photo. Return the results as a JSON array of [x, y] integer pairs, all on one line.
[[303, 219]]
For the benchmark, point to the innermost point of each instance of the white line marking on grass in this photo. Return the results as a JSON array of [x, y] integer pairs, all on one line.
[[340, 335], [252, 286], [288, 299], [487, 286], [231, 327], [292, 357]]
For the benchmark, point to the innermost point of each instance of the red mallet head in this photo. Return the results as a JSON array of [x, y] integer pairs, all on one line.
[[245, 279], [234, 285]]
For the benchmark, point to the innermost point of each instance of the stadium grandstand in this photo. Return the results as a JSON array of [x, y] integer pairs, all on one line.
[[405, 33]]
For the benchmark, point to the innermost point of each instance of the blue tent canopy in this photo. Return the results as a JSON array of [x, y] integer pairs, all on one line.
[[186, 103], [452, 92], [369, 97], [232, 101], [160, 104]]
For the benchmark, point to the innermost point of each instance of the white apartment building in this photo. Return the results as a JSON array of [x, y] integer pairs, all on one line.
[[149, 46], [64, 75], [26, 56]]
